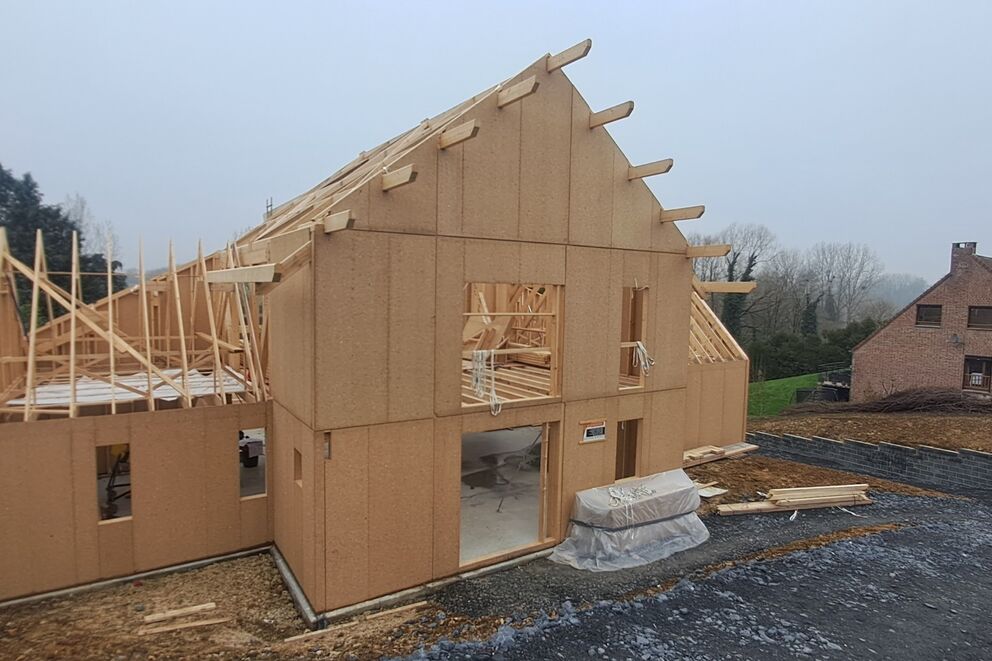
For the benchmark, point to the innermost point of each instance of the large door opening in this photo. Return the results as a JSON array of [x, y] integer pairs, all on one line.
[[627, 432], [503, 482]]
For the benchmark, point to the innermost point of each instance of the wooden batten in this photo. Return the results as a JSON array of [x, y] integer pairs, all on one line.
[[684, 213], [569, 55], [728, 287], [649, 169], [514, 93], [335, 222], [401, 177], [257, 273], [458, 134], [619, 111], [715, 250]]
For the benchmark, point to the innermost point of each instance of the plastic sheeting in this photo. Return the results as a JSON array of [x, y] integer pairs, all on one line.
[[633, 523]]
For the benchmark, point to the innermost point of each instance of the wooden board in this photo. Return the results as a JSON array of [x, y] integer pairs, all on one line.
[[764, 506]]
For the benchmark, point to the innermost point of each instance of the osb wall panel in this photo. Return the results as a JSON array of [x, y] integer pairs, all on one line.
[[668, 321], [185, 495], [491, 173], [291, 350], [460, 261], [408, 208], [590, 208], [545, 151], [291, 434], [379, 520], [346, 518], [593, 291], [374, 316], [716, 408], [667, 430]]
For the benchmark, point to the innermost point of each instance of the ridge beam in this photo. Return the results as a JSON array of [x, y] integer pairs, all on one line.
[[649, 169], [728, 287], [685, 213], [713, 250], [459, 134], [405, 175], [619, 111], [569, 55], [514, 93]]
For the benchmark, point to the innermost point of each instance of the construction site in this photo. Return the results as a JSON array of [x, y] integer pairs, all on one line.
[[360, 429]]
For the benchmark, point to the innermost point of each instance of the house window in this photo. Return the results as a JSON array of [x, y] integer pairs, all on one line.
[[510, 343], [980, 317], [251, 456], [632, 349], [113, 480], [928, 315]]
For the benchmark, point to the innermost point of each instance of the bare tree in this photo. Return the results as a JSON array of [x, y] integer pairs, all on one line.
[[97, 234], [845, 273]]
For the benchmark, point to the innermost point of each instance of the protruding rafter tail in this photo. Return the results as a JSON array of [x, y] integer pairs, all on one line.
[[569, 55]]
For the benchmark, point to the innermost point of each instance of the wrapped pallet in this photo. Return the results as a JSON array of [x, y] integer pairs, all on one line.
[[633, 523]]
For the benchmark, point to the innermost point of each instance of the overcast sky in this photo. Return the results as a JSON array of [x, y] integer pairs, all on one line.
[[826, 121]]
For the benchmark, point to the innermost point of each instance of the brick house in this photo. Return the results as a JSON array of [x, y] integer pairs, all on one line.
[[942, 339]]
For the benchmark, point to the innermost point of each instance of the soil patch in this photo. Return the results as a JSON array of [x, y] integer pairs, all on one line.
[[951, 431]]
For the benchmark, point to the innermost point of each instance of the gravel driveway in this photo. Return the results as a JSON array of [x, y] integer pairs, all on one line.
[[922, 591]]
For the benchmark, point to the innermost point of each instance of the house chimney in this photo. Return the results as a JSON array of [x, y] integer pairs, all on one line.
[[959, 254]]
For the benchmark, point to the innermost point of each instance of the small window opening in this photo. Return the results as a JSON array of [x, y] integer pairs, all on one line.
[[627, 432], [980, 317], [251, 456], [510, 343], [113, 480], [928, 315], [632, 314], [298, 467]]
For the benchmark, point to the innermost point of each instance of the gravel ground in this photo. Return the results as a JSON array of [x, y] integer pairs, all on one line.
[[919, 589]]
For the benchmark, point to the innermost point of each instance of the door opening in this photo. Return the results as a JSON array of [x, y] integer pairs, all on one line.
[[627, 432]]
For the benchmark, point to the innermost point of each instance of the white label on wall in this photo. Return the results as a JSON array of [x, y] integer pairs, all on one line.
[[593, 430]]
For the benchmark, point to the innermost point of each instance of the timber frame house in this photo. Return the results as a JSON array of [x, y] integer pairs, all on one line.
[[500, 266]]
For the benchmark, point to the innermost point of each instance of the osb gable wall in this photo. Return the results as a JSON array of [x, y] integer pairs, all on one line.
[[185, 496], [903, 355], [716, 404], [290, 339]]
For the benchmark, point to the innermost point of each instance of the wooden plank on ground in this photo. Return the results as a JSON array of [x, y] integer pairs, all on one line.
[[144, 631], [765, 506], [179, 612], [811, 492]]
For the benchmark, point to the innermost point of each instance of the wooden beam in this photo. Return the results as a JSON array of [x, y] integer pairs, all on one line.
[[39, 251], [405, 175], [514, 93], [73, 293], [214, 342], [685, 213], [179, 612], [335, 222], [143, 301], [715, 250], [110, 323], [144, 631], [619, 111], [459, 134], [569, 55], [226, 346], [649, 169], [728, 287], [257, 273], [187, 400]]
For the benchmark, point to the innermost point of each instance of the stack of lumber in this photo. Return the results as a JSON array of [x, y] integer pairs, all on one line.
[[787, 500], [706, 453]]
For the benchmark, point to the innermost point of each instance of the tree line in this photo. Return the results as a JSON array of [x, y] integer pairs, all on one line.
[[810, 307], [23, 212]]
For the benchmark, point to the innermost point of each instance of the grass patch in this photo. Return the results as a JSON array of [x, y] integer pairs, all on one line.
[[770, 397]]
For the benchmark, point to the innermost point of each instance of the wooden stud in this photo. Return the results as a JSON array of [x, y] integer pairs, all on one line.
[[187, 400], [459, 134], [257, 273], [218, 366], [401, 177], [649, 169], [514, 93], [685, 213], [73, 294], [619, 111], [715, 250], [569, 55], [335, 222], [33, 325], [143, 301], [143, 631], [110, 326], [729, 287]]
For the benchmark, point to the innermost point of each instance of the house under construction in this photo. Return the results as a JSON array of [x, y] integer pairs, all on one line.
[[401, 374]]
